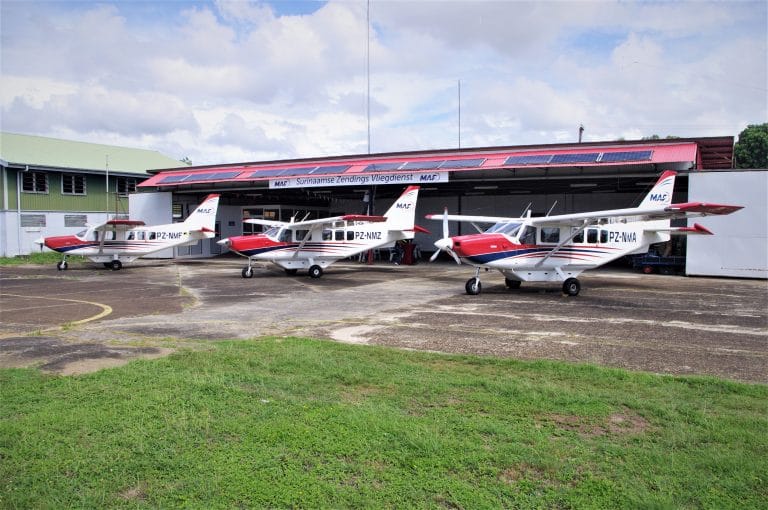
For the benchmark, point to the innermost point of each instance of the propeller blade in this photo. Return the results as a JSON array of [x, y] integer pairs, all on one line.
[[434, 255], [455, 257], [445, 223]]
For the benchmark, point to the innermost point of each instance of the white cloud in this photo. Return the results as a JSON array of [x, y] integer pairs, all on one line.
[[237, 81]]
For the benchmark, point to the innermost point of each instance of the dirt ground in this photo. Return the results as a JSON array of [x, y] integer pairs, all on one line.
[[88, 318]]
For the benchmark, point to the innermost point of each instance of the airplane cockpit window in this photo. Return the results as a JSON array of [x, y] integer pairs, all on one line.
[[579, 238], [528, 236], [507, 228], [272, 232], [300, 235], [284, 236]]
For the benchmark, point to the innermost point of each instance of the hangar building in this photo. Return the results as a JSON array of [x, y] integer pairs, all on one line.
[[496, 181]]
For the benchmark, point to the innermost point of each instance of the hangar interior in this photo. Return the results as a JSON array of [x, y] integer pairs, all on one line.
[[496, 181]]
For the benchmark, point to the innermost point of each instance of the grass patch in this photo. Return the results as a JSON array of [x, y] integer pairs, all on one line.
[[40, 258], [309, 424]]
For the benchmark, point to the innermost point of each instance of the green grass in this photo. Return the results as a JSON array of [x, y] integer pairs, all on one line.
[[309, 424], [47, 257]]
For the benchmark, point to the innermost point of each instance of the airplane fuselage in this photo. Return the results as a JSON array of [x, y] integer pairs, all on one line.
[[127, 244], [289, 249], [547, 254]]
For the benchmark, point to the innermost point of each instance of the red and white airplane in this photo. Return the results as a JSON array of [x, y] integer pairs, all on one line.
[[115, 241], [559, 248], [316, 244]]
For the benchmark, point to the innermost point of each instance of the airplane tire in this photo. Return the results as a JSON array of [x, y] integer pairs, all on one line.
[[315, 271], [473, 286], [291, 272], [512, 284], [116, 265], [62, 266], [571, 287], [247, 272]]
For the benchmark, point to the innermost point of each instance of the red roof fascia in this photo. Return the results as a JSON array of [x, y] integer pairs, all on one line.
[[661, 153]]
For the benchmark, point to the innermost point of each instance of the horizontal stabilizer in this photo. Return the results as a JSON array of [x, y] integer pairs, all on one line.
[[703, 208]]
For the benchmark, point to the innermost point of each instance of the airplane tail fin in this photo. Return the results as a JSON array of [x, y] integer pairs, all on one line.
[[401, 215], [661, 193], [203, 219]]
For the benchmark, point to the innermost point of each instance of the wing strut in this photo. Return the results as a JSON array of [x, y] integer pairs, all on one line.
[[584, 225]]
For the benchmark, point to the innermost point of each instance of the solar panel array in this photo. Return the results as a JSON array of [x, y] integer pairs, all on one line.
[[425, 165], [579, 157], [416, 165]]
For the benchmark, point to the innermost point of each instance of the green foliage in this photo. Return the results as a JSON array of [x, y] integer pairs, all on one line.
[[46, 257], [751, 149], [298, 423]]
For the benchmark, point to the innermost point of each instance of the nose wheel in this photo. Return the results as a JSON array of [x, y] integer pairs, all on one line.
[[62, 266], [473, 285]]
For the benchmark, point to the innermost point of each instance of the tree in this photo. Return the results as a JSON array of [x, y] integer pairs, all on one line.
[[751, 150]]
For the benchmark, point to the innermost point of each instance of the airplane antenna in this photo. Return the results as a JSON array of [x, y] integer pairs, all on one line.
[[527, 207], [550, 209]]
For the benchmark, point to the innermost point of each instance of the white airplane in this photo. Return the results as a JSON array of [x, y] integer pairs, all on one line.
[[115, 241], [558, 248], [316, 244]]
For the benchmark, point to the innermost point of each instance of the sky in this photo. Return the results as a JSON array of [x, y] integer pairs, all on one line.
[[227, 81]]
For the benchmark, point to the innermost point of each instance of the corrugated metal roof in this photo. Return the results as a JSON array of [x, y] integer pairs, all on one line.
[[56, 153], [469, 160]]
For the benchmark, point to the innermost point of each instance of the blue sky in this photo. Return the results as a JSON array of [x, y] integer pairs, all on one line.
[[228, 81]]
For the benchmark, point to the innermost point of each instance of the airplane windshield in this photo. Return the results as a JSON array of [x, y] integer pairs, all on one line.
[[272, 232], [506, 228]]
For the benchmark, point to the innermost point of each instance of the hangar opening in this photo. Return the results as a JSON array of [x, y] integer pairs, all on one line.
[[493, 181]]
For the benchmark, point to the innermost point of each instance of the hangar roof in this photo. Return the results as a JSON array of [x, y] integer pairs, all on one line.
[[53, 153], [591, 158]]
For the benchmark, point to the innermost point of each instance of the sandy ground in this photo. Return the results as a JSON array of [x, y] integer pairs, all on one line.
[[87, 318]]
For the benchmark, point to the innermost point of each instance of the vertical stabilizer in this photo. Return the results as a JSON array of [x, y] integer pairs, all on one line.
[[661, 193], [402, 214], [204, 216]]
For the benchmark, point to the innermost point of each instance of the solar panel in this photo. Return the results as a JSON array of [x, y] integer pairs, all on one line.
[[531, 159], [463, 163], [422, 165], [335, 169], [173, 178], [383, 167], [588, 157], [272, 172], [298, 171], [612, 157]]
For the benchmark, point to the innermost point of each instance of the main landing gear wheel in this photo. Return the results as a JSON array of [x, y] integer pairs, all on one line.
[[473, 286], [116, 265], [247, 272], [315, 271], [512, 284], [291, 272], [571, 287], [62, 266]]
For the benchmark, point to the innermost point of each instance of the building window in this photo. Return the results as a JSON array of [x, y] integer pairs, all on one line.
[[126, 185], [72, 184], [34, 182], [75, 220], [32, 220]]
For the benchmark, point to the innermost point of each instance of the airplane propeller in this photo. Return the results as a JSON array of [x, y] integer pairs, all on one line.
[[446, 243]]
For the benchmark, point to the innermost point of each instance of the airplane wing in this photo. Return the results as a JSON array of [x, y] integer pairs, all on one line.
[[473, 219], [319, 221], [117, 224], [672, 211]]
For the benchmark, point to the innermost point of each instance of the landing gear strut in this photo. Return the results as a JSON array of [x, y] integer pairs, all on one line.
[[473, 286], [248, 270], [62, 266]]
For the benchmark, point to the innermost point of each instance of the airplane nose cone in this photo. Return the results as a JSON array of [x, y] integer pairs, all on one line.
[[445, 243], [40, 241], [223, 242]]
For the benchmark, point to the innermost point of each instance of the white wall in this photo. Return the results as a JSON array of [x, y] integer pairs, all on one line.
[[739, 246]]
